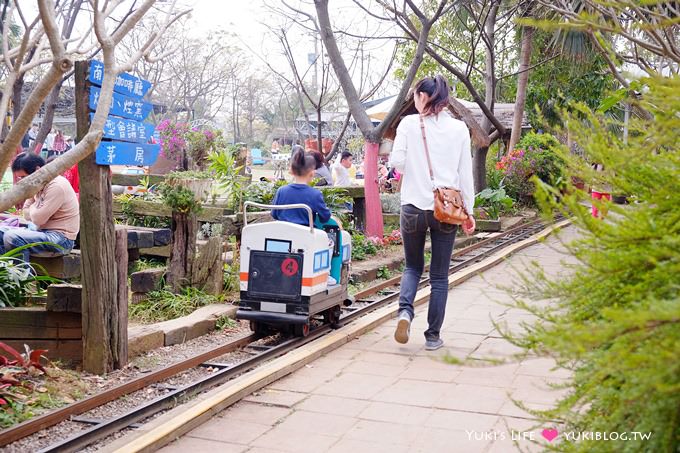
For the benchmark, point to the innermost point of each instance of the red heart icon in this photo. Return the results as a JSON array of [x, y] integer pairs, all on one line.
[[549, 433]]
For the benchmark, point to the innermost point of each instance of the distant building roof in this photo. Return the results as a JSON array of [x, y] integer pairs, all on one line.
[[326, 117]]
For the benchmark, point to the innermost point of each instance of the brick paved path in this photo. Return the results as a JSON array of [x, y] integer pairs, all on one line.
[[374, 395]]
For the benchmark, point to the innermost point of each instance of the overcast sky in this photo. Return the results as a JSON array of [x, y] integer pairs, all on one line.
[[251, 21]]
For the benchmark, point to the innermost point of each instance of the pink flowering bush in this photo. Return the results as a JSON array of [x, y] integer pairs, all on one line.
[[535, 155], [363, 247], [179, 139]]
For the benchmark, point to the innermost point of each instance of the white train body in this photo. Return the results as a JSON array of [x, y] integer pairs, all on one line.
[[289, 273]]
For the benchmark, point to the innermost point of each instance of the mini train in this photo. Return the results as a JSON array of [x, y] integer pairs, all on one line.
[[291, 273]]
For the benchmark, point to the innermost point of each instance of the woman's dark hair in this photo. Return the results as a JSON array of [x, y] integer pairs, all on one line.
[[318, 158], [437, 88], [302, 163], [27, 162]]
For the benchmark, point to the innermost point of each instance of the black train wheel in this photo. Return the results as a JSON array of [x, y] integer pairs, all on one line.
[[259, 328], [332, 316], [301, 330]]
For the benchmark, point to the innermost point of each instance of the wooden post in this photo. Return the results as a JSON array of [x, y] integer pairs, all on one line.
[[359, 212], [120, 355], [182, 250], [101, 315], [207, 270]]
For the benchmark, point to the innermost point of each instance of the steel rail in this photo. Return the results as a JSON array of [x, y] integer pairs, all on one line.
[[164, 402], [457, 253], [495, 243], [173, 398], [52, 418]]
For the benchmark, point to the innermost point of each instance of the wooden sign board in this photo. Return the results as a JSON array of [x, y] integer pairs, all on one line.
[[123, 106], [127, 130], [126, 84], [124, 153]]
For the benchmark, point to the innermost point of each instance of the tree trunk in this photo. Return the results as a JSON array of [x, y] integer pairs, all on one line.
[[48, 118], [101, 317], [522, 81], [479, 157], [479, 168], [374, 225], [182, 251], [17, 97], [336, 144], [319, 137]]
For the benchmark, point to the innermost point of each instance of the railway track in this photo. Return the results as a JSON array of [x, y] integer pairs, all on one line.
[[175, 395]]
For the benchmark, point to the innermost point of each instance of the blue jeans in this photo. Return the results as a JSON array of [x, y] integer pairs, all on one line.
[[11, 238], [414, 224]]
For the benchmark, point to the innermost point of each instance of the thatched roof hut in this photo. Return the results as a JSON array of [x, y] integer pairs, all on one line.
[[466, 111]]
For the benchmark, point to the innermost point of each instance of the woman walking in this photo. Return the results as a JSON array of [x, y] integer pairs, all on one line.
[[447, 141]]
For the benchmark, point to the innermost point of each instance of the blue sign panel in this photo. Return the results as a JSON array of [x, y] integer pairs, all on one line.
[[126, 84], [124, 106], [127, 130], [122, 153]]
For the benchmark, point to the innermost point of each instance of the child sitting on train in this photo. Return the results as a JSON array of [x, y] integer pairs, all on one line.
[[302, 168]]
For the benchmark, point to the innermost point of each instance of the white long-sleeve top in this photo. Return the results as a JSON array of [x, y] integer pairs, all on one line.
[[448, 141]]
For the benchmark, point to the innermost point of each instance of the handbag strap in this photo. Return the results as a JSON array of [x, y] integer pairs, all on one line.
[[429, 163], [427, 151]]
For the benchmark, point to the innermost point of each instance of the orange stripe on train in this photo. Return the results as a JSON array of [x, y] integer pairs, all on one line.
[[313, 281], [307, 281]]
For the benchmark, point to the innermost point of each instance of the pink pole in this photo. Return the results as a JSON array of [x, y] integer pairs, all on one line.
[[374, 218]]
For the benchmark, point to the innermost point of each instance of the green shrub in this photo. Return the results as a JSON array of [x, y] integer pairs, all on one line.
[[494, 201], [494, 177], [18, 279], [179, 199], [384, 272], [223, 165], [225, 323], [391, 203], [535, 155], [336, 198], [261, 191], [362, 247], [163, 305], [616, 320]]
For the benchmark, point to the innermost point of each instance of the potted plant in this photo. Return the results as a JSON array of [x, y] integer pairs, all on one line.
[[199, 182]]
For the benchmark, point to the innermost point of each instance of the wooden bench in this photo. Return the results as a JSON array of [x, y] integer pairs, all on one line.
[[67, 266]]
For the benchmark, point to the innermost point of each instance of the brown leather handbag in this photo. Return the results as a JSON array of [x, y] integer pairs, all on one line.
[[448, 202]]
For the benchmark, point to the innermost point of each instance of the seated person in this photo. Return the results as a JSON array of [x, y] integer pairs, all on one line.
[[53, 212], [302, 168], [322, 172], [341, 168]]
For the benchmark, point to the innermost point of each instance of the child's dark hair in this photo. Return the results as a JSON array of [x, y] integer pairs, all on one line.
[[345, 155], [437, 88], [302, 163], [27, 162]]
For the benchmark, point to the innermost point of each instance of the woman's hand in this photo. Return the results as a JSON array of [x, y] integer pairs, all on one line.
[[469, 225]]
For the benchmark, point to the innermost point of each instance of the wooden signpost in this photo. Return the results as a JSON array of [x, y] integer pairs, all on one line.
[[103, 249]]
